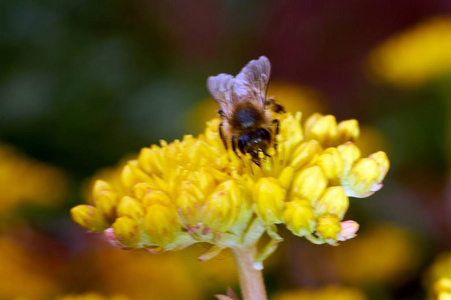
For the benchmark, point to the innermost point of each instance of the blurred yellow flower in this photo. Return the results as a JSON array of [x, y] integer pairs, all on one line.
[[23, 179], [91, 296], [384, 253], [194, 190], [21, 275], [415, 56], [139, 275], [442, 289], [325, 293], [438, 277]]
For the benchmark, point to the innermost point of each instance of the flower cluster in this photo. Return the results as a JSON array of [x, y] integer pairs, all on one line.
[[415, 56], [195, 190]]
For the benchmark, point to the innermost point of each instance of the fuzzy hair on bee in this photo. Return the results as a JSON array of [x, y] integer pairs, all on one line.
[[247, 123]]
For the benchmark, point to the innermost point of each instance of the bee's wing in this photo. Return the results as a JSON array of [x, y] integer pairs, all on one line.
[[252, 81], [220, 88]]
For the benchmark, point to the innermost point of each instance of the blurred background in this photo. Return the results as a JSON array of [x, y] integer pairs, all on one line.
[[86, 84]]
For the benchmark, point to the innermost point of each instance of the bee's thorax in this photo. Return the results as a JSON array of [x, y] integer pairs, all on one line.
[[246, 117]]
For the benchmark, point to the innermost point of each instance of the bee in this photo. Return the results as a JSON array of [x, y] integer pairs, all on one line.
[[246, 124]]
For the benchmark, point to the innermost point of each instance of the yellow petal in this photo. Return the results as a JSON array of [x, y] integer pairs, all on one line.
[[299, 217], [310, 183], [269, 198], [88, 217], [333, 201], [126, 231], [130, 207]]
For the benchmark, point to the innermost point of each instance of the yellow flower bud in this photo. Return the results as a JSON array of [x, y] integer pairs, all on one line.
[[161, 224], [321, 128], [106, 202], [328, 227], [291, 130], [141, 189], [204, 180], [299, 217], [132, 174], [194, 190], [305, 153], [362, 179], [130, 207], [333, 201], [383, 162], [331, 163], [348, 131], [149, 160], [126, 231], [310, 183], [156, 197], [219, 211], [100, 186], [269, 198], [286, 177], [188, 207], [349, 153], [88, 217]]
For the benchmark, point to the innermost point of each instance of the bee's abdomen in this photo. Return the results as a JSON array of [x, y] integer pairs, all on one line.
[[246, 118]]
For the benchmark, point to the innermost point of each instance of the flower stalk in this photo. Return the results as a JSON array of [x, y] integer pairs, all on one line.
[[249, 273]]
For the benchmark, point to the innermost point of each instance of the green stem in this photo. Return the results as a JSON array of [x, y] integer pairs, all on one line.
[[251, 279]]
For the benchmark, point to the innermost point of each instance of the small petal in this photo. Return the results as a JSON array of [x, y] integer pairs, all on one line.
[[269, 198], [349, 153], [130, 207], [305, 153], [348, 131], [299, 217], [310, 183], [322, 128], [161, 224], [348, 230], [328, 227], [331, 163], [333, 201], [88, 217], [362, 178], [126, 231]]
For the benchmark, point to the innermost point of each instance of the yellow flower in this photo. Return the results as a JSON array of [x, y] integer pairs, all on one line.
[[442, 289], [23, 179], [22, 273], [194, 190], [381, 254], [438, 277], [415, 56], [329, 292], [92, 296]]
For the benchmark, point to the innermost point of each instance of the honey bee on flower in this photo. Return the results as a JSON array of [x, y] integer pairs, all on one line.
[[247, 121]]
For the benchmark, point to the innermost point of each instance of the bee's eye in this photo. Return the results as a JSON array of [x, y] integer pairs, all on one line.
[[263, 134]]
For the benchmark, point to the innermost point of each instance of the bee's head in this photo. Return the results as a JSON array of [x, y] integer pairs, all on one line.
[[254, 142]]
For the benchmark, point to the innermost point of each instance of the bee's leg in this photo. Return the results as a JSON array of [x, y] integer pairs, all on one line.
[[274, 105], [276, 123], [221, 113], [234, 142], [221, 134]]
